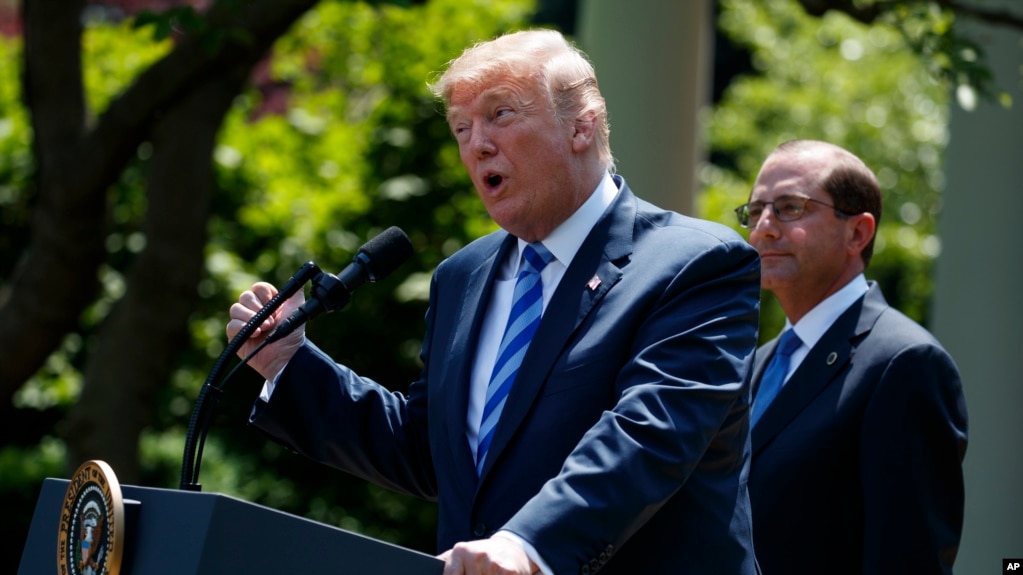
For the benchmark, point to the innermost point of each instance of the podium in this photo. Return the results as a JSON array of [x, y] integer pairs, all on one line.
[[192, 533]]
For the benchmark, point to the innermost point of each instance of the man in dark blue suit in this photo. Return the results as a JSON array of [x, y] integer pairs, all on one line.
[[623, 443], [860, 431]]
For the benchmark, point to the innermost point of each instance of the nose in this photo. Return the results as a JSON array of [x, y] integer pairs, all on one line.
[[480, 144], [767, 225]]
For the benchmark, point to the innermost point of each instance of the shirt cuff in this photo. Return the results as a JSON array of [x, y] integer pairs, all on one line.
[[269, 385], [529, 549]]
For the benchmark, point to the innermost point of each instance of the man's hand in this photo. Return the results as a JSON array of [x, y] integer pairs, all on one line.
[[270, 361], [495, 556]]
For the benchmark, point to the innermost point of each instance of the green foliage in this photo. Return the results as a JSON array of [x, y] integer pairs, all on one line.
[[337, 139], [16, 162], [857, 86], [958, 60], [112, 56], [23, 467], [186, 20], [164, 24]]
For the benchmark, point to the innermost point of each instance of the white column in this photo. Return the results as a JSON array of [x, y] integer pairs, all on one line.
[[653, 64], [978, 313]]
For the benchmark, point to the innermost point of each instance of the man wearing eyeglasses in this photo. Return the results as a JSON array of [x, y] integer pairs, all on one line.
[[858, 417]]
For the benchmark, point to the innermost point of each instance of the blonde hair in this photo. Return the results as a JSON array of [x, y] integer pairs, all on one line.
[[562, 72]]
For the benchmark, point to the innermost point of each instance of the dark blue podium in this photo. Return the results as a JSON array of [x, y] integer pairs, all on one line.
[[192, 533]]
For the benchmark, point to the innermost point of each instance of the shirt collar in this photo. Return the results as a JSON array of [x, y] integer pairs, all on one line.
[[567, 238], [812, 326]]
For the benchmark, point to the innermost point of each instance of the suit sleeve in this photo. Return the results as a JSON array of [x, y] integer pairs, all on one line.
[[330, 414], [912, 446], [680, 418]]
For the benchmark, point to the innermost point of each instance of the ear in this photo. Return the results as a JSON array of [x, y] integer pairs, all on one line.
[[584, 133], [861, 231]]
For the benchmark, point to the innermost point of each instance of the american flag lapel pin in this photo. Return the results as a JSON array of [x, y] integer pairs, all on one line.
[[593, 283]]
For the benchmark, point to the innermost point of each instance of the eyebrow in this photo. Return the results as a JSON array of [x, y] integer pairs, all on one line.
[[781, 197], [487, 96]]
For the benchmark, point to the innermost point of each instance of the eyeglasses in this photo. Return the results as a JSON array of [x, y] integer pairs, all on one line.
[[786, 209]]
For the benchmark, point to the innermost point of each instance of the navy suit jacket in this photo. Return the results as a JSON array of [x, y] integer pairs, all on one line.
[[857, 463], [624, 444]]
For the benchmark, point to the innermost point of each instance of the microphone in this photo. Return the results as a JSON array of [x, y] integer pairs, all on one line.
[[375, 260]]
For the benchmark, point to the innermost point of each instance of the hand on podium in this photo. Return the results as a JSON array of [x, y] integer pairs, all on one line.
[[497, 555]]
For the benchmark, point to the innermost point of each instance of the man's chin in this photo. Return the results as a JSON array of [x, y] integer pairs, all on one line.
[[772, 282]]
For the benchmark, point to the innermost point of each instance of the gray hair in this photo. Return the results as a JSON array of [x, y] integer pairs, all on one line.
[[562, 71]]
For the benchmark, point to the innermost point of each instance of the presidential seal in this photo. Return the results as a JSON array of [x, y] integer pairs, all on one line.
[[91, 535]]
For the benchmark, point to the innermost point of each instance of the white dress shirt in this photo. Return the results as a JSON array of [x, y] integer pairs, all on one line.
[[563, 243], [812, 326]]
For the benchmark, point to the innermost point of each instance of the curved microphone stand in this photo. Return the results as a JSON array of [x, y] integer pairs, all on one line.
[[211, 392]]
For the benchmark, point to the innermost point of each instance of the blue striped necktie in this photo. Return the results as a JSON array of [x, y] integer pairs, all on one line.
[[774, 375], [527, 306]]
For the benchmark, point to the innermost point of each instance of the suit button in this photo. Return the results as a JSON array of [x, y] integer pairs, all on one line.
[[480, 530], [594, 565], [603, 557], [586, 570]]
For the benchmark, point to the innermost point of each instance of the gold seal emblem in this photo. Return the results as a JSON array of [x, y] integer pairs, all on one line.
[[91, 535]]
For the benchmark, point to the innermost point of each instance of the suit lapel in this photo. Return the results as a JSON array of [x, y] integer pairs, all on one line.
[[828, 358], [593, 272]]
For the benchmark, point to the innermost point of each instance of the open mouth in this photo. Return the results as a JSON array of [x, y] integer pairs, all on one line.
[[493, 180]]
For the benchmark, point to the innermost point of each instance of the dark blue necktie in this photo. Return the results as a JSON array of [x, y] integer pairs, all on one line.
[[527, 306], [774, 375]]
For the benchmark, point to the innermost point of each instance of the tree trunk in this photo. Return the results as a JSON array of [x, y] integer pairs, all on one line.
[[178, 103], [146, 329], [56, 280]]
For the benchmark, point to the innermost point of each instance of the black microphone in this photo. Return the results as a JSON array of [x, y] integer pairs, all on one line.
[[375, 260]]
